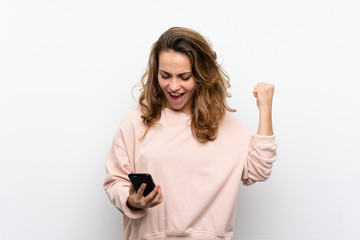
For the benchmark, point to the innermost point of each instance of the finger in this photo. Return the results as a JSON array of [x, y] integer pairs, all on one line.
[[259, 90], [152, 195], [162, 197], [157, 200], [140, 191], [256, 91], [265, 86], [158, 197]]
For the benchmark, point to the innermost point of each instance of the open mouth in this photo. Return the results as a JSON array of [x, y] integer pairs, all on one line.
[[176, 96]]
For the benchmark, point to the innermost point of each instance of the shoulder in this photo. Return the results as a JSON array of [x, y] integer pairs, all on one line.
[[130, 128], [133, 115], [230, 118], [131, 121]]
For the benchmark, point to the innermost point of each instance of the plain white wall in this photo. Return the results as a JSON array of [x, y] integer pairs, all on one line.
[[67, 69]]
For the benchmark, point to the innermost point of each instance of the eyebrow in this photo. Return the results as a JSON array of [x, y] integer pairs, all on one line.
[[180, 74]]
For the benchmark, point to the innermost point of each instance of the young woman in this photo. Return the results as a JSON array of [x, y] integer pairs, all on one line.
[[186, 137]]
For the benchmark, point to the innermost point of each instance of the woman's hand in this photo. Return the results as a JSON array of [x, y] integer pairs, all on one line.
[[137, 200], [264, 95]]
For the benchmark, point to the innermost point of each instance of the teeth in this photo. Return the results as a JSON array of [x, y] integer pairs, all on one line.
[[175, 94]]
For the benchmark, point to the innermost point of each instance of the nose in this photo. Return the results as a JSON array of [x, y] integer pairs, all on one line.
[[174, 84]]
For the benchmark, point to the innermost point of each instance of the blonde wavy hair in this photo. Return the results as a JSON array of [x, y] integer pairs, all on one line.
[[209, 99]]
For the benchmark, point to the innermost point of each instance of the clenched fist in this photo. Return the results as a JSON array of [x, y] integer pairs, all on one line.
[[264, 93]]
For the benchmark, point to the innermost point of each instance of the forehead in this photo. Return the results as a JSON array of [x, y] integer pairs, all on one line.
[[174, 61]]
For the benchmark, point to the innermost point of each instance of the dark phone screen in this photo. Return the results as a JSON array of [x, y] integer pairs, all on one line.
[[139, 178]]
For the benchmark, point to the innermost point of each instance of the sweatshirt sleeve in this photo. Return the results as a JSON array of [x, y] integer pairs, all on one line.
[[119, 163], [259, 160]]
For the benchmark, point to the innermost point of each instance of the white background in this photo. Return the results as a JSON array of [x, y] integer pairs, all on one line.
[[67, 69]]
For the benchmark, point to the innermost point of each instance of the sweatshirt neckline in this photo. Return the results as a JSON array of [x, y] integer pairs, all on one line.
[[175, 116], [176, 113]]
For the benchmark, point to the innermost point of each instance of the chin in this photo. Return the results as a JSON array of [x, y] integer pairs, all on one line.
[[177, 108]]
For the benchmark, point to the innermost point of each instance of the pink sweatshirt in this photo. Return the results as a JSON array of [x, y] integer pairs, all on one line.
[[199, 181]]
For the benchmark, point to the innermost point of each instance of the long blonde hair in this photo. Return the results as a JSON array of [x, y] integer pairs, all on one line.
[[209, 99]]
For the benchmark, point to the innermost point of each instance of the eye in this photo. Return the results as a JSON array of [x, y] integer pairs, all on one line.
[[164, 77], [185, 78]]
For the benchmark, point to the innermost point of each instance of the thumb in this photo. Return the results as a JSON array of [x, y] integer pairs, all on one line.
[[255, 93], [131, 190]]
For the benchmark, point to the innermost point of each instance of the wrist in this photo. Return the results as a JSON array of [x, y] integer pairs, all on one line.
[[130, 206], [265, 109], [265, 122]]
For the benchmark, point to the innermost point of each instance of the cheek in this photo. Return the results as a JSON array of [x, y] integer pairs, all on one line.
[[161, 83], [191, 86]]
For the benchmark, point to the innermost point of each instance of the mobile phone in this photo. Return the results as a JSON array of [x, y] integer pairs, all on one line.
[[139, 178]]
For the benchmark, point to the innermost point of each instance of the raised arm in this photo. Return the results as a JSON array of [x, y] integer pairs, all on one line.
[[262, 149], [264, 94]]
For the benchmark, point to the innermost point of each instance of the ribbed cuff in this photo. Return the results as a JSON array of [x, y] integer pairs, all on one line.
[[133, 213], [266, 140]]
